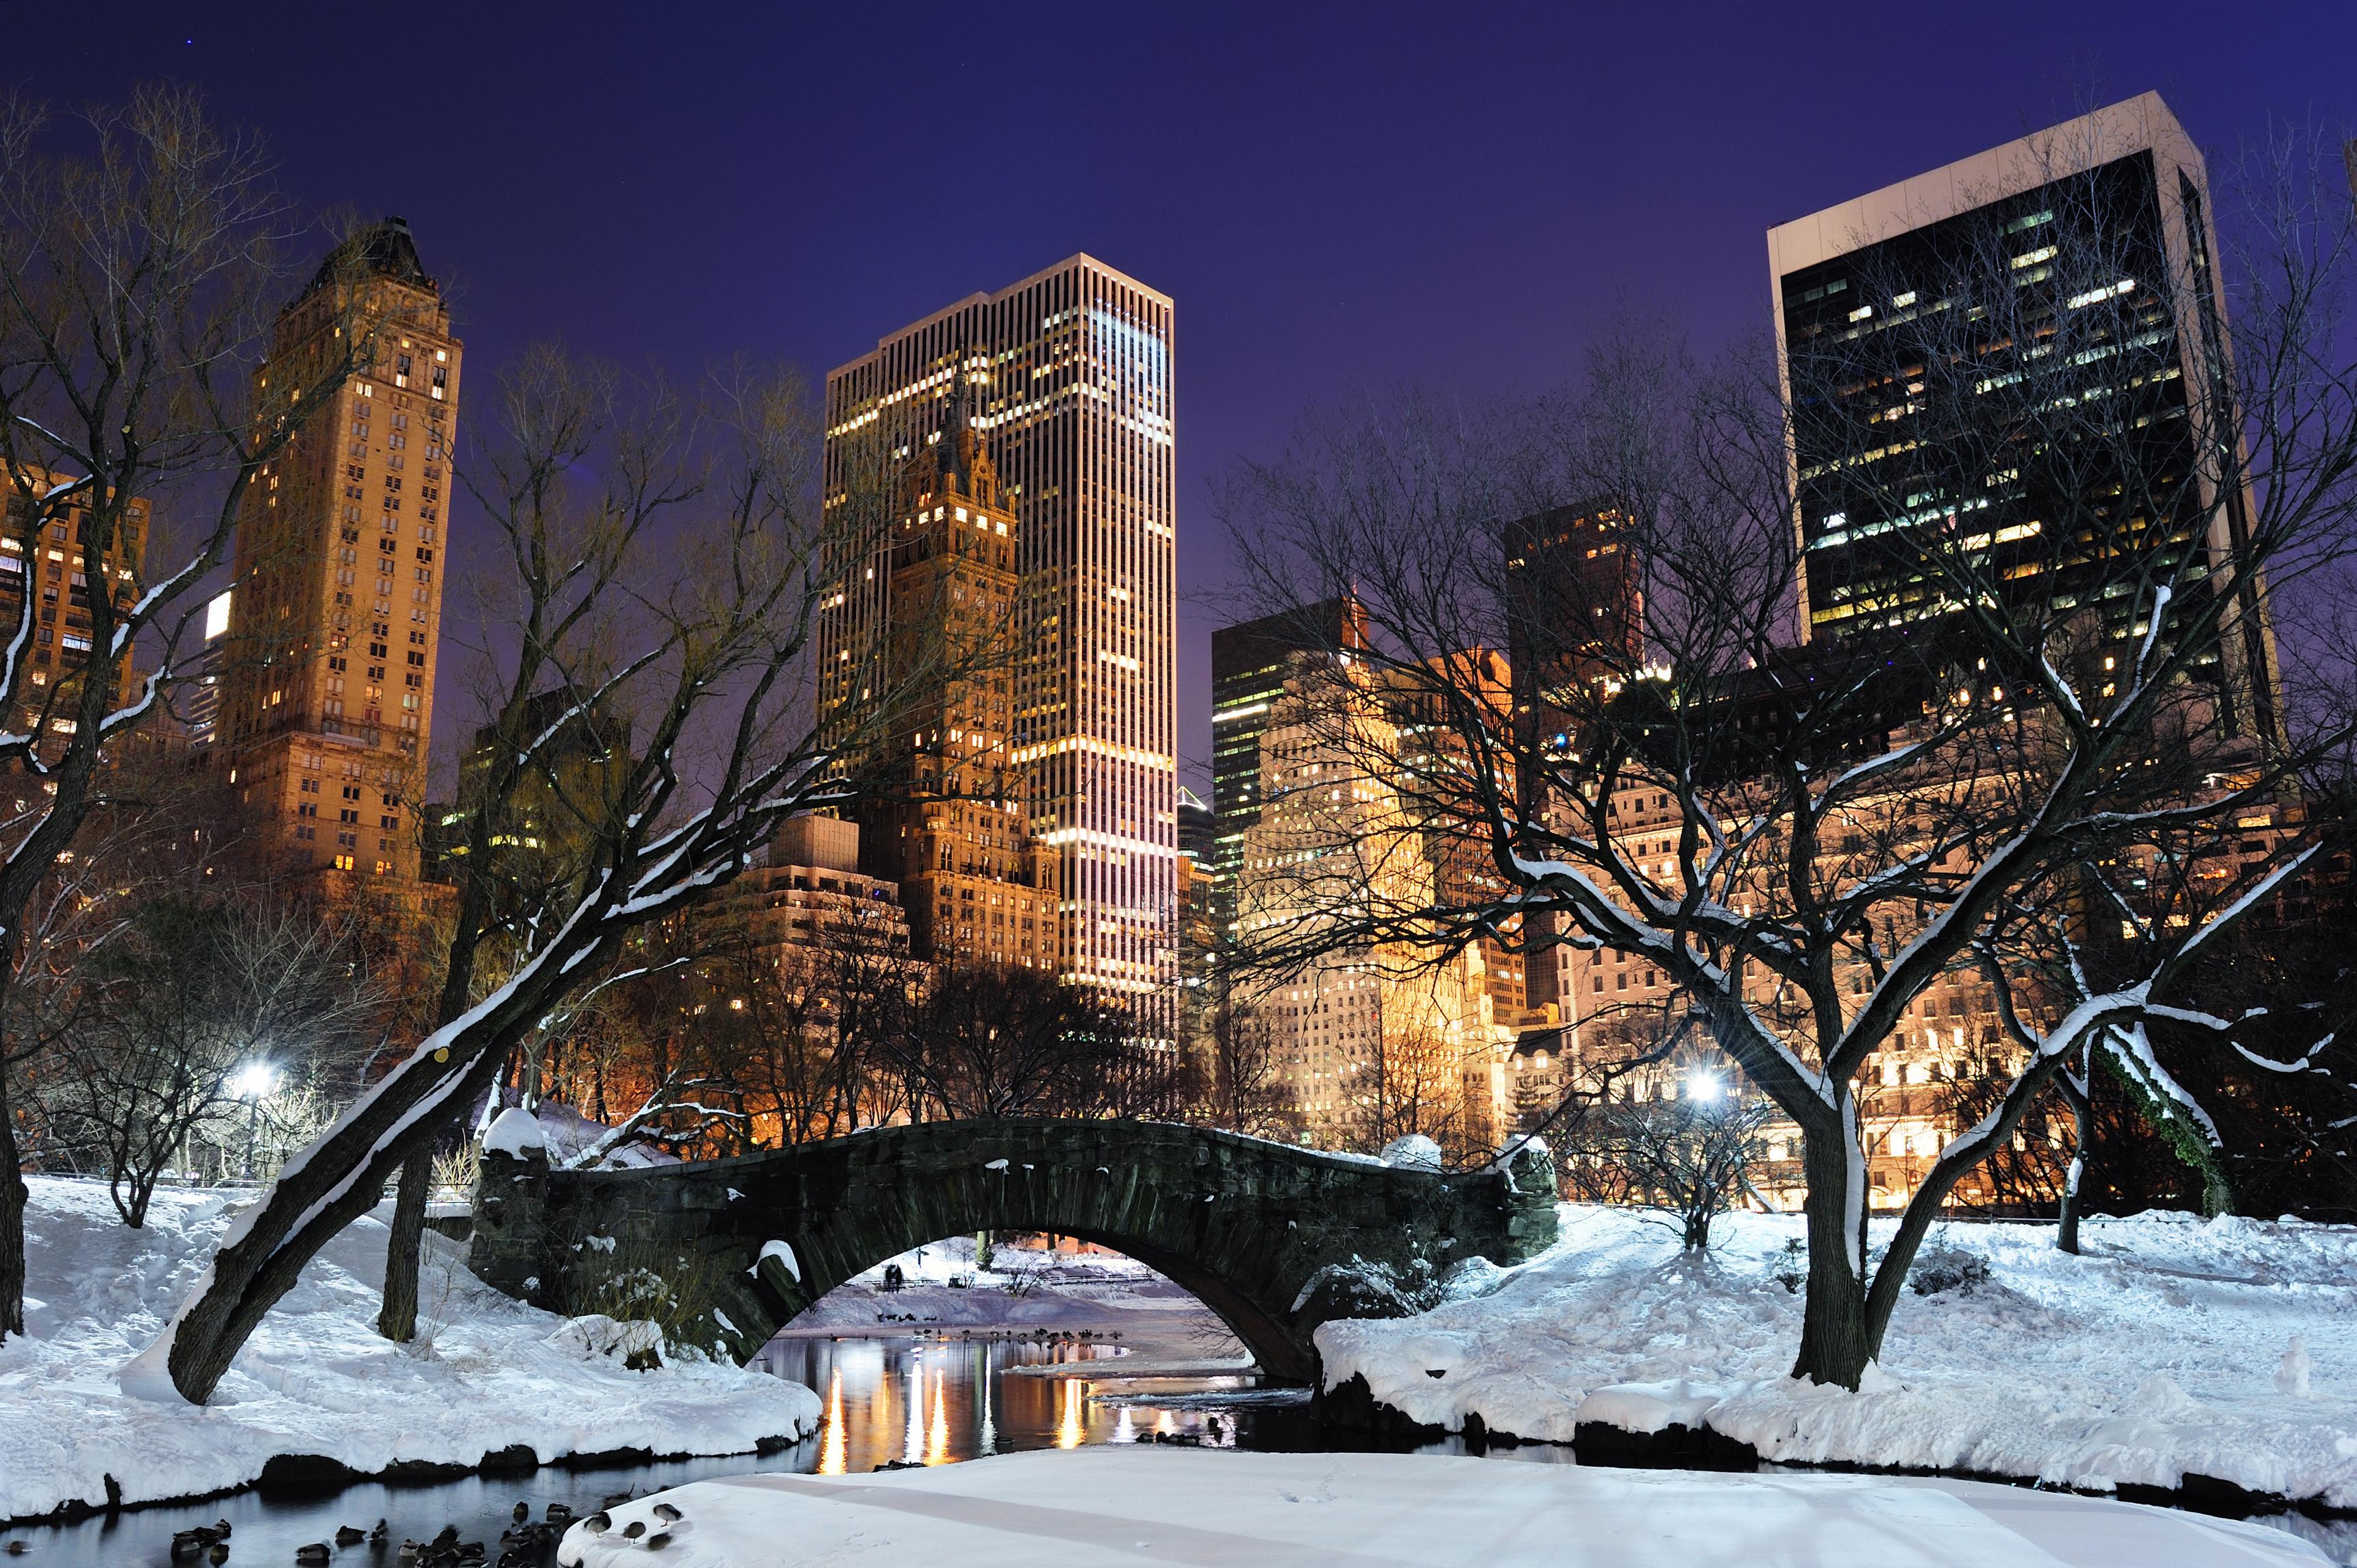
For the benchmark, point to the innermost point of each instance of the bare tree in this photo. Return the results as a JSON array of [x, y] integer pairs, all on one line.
[[180, 1007], [140, 252], [1238, 1083], [2074, 497], [1689, 1155], [990, 1039], [669, 568]]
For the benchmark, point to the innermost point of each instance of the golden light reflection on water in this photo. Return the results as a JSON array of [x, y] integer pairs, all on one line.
[[833, 1453], [937, 1451], [1071, 1395]]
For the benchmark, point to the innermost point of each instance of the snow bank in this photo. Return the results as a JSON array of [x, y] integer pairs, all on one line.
[[315, 1379], [515, 1132], [1093, 1505], [2153, 1356]]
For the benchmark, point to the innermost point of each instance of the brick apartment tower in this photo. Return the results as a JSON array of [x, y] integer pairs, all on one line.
[[1070, 372], [329, 697]]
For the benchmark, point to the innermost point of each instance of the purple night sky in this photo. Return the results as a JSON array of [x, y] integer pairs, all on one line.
[[1337, 196]]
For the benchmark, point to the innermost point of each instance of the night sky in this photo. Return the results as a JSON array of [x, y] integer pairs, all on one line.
[[1338, 197]]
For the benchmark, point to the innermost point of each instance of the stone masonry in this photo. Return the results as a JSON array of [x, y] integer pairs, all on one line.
[[1274, 1239]]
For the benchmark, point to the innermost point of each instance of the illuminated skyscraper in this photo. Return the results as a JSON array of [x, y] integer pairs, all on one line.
[[1250, 663], [1069, 377], [333, 634]]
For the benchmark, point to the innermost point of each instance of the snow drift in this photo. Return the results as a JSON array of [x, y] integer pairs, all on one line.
[[2165, 1352], [488, 1372], [1098, 1505]]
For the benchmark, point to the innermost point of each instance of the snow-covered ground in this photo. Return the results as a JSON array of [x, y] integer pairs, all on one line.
[[1023, 1291], [315, 1379], [1098, 1505], [2159, 1353]]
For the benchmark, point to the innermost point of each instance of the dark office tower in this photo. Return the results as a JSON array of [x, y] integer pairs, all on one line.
[[2006, 373], [1070, 374], [1575, 616], [1249, 664]]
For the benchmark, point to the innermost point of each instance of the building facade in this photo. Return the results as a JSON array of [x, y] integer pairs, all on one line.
[[945, 812], [327, 700], [1375, 1041], [2076, 262], [53, 566], [1070, 374], [1250, 663]]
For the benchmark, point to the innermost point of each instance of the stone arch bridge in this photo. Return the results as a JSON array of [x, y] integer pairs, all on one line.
[[1274, 1239]]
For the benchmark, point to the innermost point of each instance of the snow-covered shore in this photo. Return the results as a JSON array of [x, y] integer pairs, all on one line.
[[2159, 1354], [315, 1379], [1093, 1506]]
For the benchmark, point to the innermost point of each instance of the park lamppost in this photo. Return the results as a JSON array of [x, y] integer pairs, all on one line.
[[252, 1084]]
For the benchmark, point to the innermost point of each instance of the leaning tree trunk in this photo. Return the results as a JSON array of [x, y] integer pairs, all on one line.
[[331, 1184], [1836, 1342], [397, 1319]]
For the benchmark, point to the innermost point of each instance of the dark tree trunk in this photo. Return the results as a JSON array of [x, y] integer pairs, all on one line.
[[397, 1319], [1835, 1344], [12, 1221], [2082, 1127], [343, 1179]]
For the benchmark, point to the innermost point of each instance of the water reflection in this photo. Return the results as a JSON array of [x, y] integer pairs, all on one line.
[[936, 1402]]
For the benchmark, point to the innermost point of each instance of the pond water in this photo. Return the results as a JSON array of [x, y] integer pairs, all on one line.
[[902, 1401], [888, 1401]]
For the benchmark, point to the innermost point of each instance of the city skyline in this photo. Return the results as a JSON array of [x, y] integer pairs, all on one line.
[[1319, 240]]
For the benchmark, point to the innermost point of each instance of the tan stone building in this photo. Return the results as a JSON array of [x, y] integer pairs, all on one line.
[[56, 569], [1369, 1042], [1071, 374], [328, 700], [947, 814]]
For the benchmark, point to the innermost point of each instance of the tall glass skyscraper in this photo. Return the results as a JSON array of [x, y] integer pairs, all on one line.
[[1069, 375]]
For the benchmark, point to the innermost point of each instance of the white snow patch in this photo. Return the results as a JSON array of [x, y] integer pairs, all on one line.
[[2160, 1354], [784, 1254], [515, 1133], [1101, 1503], [1415, 1152], [315, 1379]]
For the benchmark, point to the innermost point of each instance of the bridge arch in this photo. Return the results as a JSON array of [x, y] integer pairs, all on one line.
[[1273, 1238]]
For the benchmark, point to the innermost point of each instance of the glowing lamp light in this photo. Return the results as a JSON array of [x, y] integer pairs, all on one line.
[[254, 1080]]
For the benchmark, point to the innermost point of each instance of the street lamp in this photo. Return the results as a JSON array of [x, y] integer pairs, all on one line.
[[252, 1084]]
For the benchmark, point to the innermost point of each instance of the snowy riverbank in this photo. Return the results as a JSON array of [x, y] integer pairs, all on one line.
[[2153, 1356], [1093, 1505], [315, 1379]]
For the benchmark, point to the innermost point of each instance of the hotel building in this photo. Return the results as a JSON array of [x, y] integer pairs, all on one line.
[[334, 633]]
